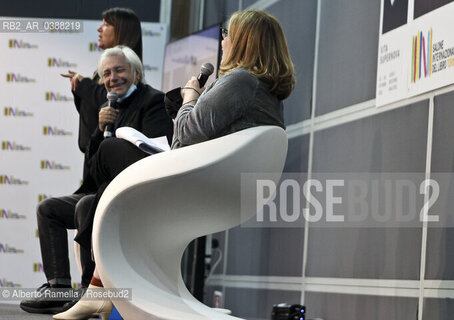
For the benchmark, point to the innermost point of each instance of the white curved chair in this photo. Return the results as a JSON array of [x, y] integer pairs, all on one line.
[[152, 210]]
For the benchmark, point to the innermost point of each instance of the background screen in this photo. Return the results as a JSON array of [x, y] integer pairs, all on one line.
[[184, 57]]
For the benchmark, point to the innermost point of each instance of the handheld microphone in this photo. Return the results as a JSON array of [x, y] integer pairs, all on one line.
[[173, 99], [112, 97], [206, 71]]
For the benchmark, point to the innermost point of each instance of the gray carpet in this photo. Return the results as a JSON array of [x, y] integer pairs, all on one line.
[[13, 312]]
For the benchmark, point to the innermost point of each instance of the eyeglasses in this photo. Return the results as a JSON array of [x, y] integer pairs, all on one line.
[[224, 33]]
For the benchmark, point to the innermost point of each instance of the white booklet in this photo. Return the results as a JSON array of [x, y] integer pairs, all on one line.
[[148, 145]]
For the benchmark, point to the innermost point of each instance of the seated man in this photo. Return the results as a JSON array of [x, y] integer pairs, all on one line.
[[139, 106]]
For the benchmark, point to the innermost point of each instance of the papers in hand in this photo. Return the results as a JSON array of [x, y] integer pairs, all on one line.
[[148, 145]]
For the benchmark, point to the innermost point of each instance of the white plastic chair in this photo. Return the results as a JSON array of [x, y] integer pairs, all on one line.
[[152, 210]]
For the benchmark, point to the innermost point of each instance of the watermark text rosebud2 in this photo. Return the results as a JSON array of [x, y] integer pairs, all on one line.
[[350, 200], [64, 294]]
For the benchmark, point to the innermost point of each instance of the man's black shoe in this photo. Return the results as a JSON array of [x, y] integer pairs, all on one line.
[[45, 301]]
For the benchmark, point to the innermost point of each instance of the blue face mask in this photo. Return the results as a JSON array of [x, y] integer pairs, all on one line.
[[129, 92]]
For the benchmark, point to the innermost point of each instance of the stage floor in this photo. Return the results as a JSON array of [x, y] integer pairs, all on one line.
[[13, 312]]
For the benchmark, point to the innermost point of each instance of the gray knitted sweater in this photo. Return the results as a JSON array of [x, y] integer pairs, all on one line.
[[235, 101]]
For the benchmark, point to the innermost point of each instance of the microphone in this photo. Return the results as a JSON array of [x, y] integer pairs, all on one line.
[[206, 71], [112, 97], [173, 99]]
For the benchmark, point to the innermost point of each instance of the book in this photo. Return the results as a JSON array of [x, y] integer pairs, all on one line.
[[148, 145]]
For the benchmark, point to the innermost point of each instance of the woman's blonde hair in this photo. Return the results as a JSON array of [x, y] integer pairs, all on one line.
[[259, 45]]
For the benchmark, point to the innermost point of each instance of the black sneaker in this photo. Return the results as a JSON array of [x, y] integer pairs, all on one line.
[[70, 304], [43, 303]]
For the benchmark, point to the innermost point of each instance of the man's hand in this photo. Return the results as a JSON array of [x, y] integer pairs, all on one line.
[[74, 78], [107, 115]]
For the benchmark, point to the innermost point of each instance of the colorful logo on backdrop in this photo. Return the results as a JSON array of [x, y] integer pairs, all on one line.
[[147, 67], [52, 165], [60, 63], [93, 46], [5, 283], [429, 57], [16, 112], [17, 77], [150, 33], [54, 131], [10, 215], [13, 146], [6, 248], [20, 44], [42, 197], [421, 64], [55, 96], [11, 180], [38, 267]]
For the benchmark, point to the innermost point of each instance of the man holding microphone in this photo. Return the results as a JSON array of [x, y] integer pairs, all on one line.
[[138, 106]]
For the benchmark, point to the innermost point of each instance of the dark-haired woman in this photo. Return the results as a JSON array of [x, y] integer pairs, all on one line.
[[120, 26]]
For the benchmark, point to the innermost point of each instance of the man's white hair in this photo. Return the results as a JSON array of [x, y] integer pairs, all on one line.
[[131, 58]]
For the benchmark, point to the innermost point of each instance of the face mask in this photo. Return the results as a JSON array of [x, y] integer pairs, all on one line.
[[128, 93]]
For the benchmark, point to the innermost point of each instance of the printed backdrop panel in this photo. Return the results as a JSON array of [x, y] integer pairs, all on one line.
[[39, 130], [415, 55]]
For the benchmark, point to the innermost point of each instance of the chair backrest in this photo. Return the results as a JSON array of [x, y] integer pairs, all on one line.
[[153, 209]]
